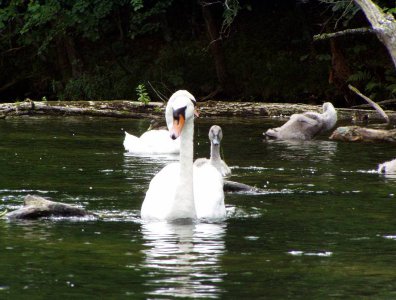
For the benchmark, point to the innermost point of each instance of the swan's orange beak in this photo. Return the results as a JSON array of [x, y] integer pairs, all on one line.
[[177, 127]]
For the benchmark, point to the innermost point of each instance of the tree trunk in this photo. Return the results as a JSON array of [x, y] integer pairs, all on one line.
[[217, 50], [69, 62], [384, 25], [340, 71], [73, 56], [63, 63]]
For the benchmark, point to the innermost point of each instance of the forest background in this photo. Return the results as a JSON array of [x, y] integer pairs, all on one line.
[[226, 50]]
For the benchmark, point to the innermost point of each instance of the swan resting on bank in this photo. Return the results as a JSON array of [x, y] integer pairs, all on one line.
[[156, 141], [215, 137], [181, 190], [306, 125], [388, 167]]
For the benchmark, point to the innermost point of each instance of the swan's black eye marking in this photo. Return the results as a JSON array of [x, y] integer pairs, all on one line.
[[178, 112], [194, 101]]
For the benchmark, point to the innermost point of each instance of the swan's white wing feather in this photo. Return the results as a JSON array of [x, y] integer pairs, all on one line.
[[152, 142], [130, 141], [208, 193], [160, 195]]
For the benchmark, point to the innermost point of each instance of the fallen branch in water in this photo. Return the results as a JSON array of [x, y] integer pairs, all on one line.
[[384, 102], [371, 102], [356, 133]]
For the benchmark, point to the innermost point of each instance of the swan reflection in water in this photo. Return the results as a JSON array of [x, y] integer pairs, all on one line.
[[183, 260]]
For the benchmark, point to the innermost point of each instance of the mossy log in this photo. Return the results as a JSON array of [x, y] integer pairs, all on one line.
[[38, 207], [137, 110], [356, 133]]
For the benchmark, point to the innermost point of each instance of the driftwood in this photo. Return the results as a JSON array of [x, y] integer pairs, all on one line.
[[37, 207], [383, 103], [116, 109], [371, 102], [356, 133], [237, 187]]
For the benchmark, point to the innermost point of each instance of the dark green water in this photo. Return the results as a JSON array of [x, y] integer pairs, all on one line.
[[324, 228]]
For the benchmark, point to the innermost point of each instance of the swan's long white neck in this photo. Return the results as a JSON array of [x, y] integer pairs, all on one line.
[[184, 198]]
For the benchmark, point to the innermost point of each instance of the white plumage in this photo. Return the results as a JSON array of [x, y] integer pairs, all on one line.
[[180, 190], [152, 142], [388, 167]]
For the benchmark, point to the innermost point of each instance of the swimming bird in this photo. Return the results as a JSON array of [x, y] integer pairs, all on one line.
[[388, 167], [215, 137], [306, 125], [153, 141], [181, 190]]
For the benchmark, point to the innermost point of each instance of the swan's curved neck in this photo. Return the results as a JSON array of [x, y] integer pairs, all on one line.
[[214, 152], [184, 199]]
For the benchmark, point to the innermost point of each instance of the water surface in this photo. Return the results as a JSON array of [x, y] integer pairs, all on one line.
[[324, 227]]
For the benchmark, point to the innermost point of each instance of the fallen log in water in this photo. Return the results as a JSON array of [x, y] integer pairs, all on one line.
[[135, 109], [37, 207], [356, 133]]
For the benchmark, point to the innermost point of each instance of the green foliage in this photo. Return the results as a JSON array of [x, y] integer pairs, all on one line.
[[374, 85], [231, 9], [359, 76], [142, 94], [343, 10], [98, 49], [89, 86], [137, 4]]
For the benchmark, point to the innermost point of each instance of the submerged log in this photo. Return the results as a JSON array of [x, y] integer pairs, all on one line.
[[356, 133], [235, 187], [38, 207]]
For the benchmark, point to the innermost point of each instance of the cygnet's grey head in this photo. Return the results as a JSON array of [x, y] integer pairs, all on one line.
[[328, 107], [215, 135]]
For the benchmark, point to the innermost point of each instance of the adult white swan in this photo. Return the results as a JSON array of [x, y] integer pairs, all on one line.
[[154, 141], [180, 190], [215, 137], [306, 125]]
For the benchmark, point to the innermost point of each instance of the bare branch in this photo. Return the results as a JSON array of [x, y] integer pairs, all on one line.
[[371, 102], [325, 36], [161, 96]]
